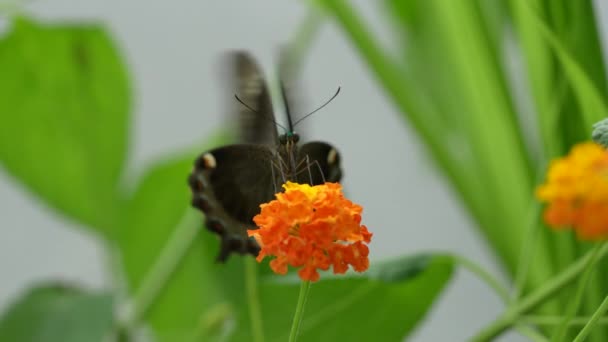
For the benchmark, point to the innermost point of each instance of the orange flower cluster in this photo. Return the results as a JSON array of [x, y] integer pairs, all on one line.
[[576, 191], [313, 227]]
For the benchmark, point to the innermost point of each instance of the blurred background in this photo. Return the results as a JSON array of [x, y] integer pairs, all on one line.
[[172, 50]]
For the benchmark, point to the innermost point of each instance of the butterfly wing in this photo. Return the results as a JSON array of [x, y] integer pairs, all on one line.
[[229, 184], [257, 123], [323, 163]]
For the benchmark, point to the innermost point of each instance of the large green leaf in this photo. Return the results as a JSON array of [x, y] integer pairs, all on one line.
[[58, 313], [158, 223], [383, 304], [64, 103]]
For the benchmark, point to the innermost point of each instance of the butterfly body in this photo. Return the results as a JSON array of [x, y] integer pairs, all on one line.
[[229, 183]]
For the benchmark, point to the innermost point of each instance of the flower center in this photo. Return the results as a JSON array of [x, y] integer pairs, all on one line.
[[294, 230]]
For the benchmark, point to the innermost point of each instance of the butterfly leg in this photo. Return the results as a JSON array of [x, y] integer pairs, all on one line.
[[283, 166], [279, 166], [274, 179], [316, 163], [309, 164], [304, 164], [308, 168]]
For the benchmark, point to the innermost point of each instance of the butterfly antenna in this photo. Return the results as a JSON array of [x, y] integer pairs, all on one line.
[[318, 109], [286, 103], [255, 111]]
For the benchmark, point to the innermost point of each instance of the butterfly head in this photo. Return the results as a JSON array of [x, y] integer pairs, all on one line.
[[289, 139]]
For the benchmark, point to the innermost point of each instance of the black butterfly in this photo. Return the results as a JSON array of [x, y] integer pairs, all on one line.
[[229, 183]]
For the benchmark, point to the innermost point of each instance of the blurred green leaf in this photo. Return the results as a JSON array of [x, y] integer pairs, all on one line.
[[563, 55], [383, 304], [152, 214], [64, 103], [58, 313], [547, 92], [159, 205], [574, 25], [590, 100]]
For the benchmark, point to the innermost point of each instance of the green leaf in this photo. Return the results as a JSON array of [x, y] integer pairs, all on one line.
[[383, 304], [58, 313], [563, 53], [64, 103], [156, 216], [590, 99]]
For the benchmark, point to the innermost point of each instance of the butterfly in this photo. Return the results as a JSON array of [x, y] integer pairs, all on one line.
[[229, 183]]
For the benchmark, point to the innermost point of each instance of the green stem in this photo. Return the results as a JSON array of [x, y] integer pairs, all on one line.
[[159, 274], [500, 290], [490, 280], [555, 320], [530, 333], [297, 318], [580, 291], [537, 297], [595, 294], [253, 299], [595, 318], [530, 240]]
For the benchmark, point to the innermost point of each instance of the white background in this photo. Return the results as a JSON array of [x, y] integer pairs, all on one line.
[[172, 49]]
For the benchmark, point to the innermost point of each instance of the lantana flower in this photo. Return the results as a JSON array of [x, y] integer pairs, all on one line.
[[576, 191], [314, 228]]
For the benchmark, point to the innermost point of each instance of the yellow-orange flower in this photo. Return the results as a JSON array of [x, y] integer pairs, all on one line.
[[312, 227], [576, 191]]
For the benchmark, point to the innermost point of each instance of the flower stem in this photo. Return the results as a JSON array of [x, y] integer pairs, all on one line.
[[297, 317], [556, 320], [500, 290], [253, 299], [576, 301], [537, 297], [599, 313], [530, 240], [490, 280]]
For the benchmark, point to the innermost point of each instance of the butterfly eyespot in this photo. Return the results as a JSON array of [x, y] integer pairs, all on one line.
[[332, 156], [207, 161]]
